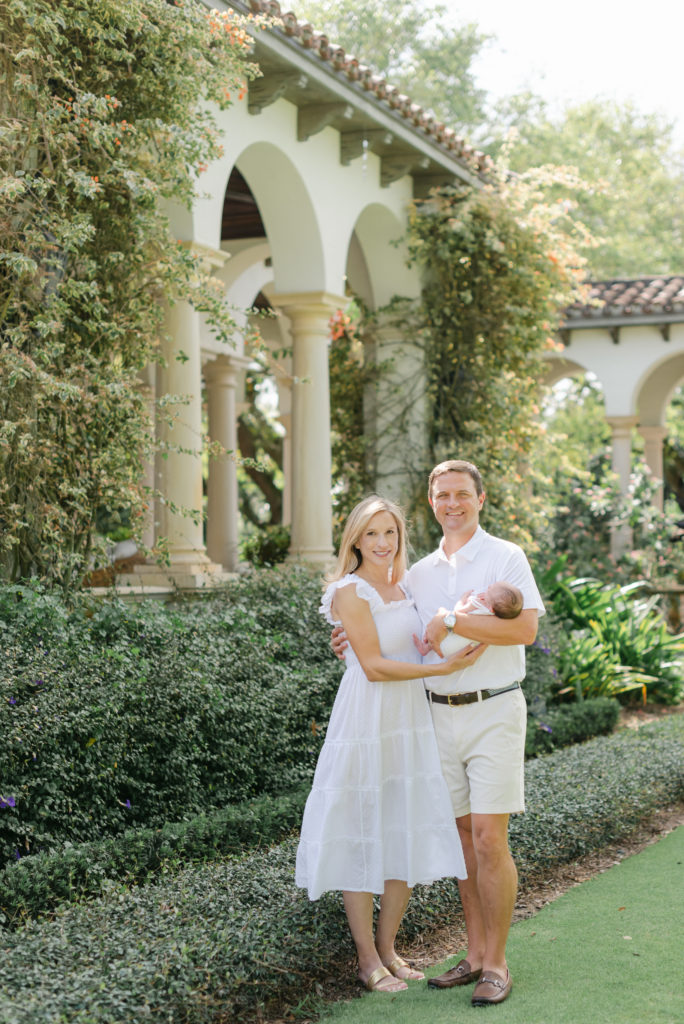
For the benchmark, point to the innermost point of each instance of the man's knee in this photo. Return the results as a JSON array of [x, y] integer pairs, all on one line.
[[490, 836]]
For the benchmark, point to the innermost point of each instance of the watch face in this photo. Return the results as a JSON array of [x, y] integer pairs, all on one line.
[[450, 620]]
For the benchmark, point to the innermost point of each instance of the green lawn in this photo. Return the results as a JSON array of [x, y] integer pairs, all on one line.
[[607, 952]]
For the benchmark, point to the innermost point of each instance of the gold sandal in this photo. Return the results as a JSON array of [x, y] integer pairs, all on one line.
[[371, 983], [397, 964]]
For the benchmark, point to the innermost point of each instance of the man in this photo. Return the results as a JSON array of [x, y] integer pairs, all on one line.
[[479, 715]]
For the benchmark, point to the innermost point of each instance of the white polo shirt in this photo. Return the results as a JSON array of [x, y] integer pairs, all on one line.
[[438, 582]]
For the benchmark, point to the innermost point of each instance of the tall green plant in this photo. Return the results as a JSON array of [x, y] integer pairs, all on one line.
[[617, 642], [103, 118], [501, 263]]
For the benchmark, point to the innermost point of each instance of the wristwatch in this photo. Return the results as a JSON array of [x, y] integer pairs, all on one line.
[[449, 620]]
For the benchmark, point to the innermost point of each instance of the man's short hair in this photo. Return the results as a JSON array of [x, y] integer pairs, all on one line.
[[456, 466]]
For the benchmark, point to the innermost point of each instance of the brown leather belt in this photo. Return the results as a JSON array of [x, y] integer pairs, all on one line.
[[454, 699]]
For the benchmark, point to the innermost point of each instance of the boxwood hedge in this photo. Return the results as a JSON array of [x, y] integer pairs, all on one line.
[[218, 941], [116, 715]]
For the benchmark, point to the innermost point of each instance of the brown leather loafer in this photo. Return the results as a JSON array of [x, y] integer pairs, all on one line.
[[492, 988], [461, 974]]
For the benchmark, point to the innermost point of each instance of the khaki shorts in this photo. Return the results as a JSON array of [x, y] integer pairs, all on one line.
[[482, 750]]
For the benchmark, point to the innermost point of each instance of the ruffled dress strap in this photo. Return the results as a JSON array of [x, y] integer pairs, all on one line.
[[363, 589]]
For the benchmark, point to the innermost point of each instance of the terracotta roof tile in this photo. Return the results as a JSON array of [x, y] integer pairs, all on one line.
[[346, 64], [634, 297]]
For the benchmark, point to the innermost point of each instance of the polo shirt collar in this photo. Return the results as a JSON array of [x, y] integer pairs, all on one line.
[[468, 551]]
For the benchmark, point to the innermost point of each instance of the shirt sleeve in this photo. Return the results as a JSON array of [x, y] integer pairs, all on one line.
[[517, 571]]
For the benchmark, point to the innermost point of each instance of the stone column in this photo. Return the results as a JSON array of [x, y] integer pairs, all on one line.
[[221, 377], [621, 426], [285, 421], [395, 409], [653, 454], [147, 378], [311, 503], [179, 464]]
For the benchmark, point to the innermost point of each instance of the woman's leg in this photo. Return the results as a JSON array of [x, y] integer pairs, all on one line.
[[393, 905], [359, 910]]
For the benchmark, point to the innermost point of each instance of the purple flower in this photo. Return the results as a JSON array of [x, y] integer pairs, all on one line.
[[544, 727], [39, 682], [7, 801], [128, 804]]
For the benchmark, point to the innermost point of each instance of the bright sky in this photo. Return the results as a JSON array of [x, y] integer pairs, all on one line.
[[618, 49]]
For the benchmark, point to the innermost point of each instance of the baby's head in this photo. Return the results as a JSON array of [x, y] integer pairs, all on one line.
[[505, 600]]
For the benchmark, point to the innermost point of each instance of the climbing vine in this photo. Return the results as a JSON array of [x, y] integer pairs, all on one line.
[[103, 118], [500, 265]]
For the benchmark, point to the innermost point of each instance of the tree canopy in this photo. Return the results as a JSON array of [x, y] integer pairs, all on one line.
[[409, 43], [633, 201]]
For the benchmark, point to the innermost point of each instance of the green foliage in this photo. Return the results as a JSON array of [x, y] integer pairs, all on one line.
[[34, 886], [352, 372], [570, 723], [413, 46], [104, 118], [584, 501], [266, 546], [260, 472], [500, 263], [240, 937], [624, 156], [117, 716], [541, 662], [617, 642]]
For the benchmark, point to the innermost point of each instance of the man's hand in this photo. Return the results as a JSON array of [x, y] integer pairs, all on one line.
[[338, 642], [436, 631]]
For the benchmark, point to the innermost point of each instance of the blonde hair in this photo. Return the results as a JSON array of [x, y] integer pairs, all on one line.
[[349, 557]]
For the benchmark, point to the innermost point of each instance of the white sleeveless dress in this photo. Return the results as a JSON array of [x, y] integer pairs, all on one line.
[[379, 807]]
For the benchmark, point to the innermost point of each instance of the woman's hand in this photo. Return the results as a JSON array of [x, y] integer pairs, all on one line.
[[436, 631], [338, 642]]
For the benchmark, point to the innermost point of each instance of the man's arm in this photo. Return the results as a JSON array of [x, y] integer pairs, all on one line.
[[486, 629]]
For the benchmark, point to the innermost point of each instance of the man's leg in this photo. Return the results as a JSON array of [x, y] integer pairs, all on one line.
[[497, 883], [470, 898]]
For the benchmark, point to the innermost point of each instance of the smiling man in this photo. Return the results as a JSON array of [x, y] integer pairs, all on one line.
[[479, 714]]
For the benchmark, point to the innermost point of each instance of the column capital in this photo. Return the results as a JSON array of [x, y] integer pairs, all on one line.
[[223, 370], [652, 432], [311, 303], [622, 425]]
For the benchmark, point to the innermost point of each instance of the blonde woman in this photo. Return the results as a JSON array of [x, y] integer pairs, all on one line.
[[378, 818]]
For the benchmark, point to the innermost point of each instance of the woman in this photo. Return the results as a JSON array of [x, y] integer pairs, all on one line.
[[378, 818]]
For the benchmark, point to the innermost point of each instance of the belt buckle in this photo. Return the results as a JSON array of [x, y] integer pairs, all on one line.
[[455, 702]]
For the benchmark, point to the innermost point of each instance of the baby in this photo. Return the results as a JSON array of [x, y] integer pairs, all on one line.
[[501, 599]]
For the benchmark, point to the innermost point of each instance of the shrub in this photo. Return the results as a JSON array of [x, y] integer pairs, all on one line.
[[541, 662], [570, 723], [117, 715], [34, 886], [616, 641], [227, 938]]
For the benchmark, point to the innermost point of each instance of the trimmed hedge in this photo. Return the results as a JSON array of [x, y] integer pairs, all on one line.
[[36, 885], [219, 941], [569, 723], [119, 715]]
